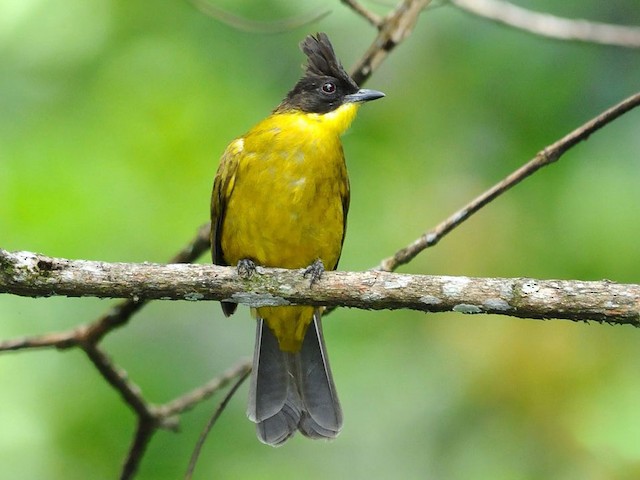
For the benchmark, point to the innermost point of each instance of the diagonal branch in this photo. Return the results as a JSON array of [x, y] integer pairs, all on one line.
[[212, 421], [371, 17], [191, 399], [163, 416], [145, 430], [546, 156], [552, 26], [393, 29], [60, 340], [119, 380]]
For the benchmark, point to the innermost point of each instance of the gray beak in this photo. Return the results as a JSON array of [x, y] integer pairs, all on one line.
[[363, 95]]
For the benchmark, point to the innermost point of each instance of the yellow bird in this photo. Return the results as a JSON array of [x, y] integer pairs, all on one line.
[[280, 199]]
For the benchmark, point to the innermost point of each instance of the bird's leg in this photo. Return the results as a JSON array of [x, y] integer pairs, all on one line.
[[315, 271], [246, 268]]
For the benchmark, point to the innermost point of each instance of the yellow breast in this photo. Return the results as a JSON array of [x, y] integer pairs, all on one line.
[[287, 200], [286, 203]]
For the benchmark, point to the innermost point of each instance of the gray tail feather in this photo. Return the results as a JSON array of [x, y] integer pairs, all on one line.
[[293, 391]]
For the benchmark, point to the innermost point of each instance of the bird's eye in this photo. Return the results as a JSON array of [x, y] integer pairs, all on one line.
[[328, 87]]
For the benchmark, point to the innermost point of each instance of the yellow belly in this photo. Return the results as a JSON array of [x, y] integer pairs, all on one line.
[[286, 207]]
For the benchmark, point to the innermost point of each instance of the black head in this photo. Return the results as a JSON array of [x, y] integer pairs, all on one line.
[[325, 84]]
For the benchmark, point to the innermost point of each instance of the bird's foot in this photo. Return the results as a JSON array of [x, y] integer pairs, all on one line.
[[246, 268], [315, 271]]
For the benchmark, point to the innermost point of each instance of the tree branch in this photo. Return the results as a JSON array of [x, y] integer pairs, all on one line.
[[212, 421], [552, 26], [22, 274], [393, 29], [543, 158], [374, 19], [119, 380], [145, 429], [189, 400], [30, 274], [163, 416]]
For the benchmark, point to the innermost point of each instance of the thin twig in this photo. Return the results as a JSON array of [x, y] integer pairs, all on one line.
[[60, 340], [371, 17], [393, 30], [191, 399], [252, 26], [119, 380], [163, 416], [546, 156], [144, 432], [212, 421], [551, 26]]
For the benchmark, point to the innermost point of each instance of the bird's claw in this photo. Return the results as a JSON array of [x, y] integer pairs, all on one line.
[[315, 271], [246, 268]]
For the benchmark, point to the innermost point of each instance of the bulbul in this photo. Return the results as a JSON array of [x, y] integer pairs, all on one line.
[[280, 199]]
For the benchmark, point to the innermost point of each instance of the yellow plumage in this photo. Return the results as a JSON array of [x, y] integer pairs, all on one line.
[[280, 199], [301, 216]]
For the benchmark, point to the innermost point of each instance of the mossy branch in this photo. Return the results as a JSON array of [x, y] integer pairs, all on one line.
[[34, 275]]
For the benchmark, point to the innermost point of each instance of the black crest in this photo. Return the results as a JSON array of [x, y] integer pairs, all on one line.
[[322, 60], [325, 82]]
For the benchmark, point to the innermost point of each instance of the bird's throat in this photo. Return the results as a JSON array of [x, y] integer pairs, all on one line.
[[338, 120]]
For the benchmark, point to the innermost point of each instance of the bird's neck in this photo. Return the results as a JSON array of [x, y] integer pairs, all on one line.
[[334, 122]]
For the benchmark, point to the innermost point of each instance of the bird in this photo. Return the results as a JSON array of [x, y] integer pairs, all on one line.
[[280, 199]]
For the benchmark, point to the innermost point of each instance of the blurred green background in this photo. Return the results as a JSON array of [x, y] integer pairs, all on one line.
[[113, 114]]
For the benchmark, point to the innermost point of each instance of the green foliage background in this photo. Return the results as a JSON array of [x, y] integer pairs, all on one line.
[[113, 114]]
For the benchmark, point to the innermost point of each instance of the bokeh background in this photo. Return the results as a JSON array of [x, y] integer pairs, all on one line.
[[113, 114]]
